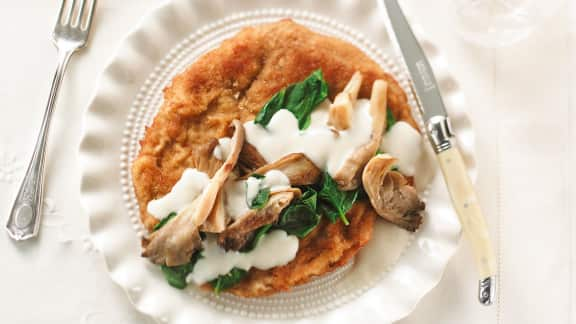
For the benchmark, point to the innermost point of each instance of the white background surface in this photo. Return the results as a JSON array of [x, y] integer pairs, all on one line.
[[521, 100]]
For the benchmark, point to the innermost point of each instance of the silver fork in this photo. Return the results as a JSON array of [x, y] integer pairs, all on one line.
[[70, 34]]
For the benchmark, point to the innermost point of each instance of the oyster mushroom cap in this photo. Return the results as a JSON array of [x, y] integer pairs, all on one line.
[[242, 230], [348, 177], [390, 194], [175, 242], [250, 159], [299, 169], [340, 112]]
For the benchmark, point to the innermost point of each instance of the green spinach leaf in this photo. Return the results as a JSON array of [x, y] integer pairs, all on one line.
[[310, 198], [163, 221], [335, 203], [256, 239], [257, 176], [329, 212], [300, 218], [176, 276], [228, 280], [261, 199], [390, 119], [299, 98]]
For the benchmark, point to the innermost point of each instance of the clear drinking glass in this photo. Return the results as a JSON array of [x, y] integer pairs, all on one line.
[[498, 23]]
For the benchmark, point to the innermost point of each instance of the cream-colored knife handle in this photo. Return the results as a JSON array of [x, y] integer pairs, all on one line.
[[473, 224]]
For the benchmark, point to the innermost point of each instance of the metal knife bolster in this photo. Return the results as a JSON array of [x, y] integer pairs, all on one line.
[[439, 132], [487, 291]]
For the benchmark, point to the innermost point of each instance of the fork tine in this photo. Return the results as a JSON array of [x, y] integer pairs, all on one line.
[[68, 19], [89, 16], [60, 12], [77, 22]]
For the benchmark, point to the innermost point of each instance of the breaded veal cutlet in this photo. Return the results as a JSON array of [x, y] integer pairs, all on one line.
[[234, 81]]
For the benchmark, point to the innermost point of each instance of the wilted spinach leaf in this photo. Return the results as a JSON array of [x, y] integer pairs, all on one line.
[[260, 232], [310, 198], [261, 199], [335, 203], [176, 276], [390, 119], [228, 280], [299, 98], [163, 221], [300, 218]]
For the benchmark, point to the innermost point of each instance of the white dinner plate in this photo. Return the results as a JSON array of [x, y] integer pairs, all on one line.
[[386, 279]]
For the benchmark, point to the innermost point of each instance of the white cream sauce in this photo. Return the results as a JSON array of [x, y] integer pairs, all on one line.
[[404, 143], [326, 148], [235, 198], [252, 188], [222, 150], [190, 186], [276, 248], [275, 180], [240, 193]]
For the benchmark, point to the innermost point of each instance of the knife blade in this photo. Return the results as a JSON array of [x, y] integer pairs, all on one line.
[[438, 129]]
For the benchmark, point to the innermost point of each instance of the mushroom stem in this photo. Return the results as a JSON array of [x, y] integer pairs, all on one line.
[[217, 219], [340, 113], [348, 176]]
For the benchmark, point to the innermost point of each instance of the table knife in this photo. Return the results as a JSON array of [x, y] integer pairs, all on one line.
[[441, 136]]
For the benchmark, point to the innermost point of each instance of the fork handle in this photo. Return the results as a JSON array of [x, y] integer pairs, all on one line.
[[24, 220]]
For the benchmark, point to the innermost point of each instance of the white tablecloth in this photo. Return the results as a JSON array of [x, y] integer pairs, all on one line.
[[521, 100]]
